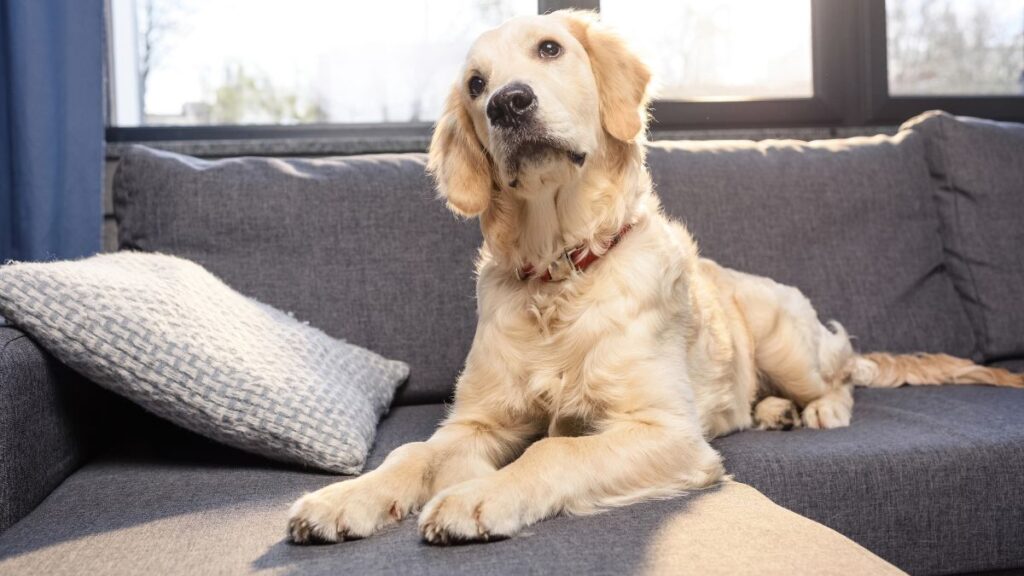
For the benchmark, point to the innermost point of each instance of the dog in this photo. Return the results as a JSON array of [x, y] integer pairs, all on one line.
[[607, 351]]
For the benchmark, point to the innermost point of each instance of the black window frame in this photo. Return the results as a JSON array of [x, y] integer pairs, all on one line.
[[850, 77], [884, 107]]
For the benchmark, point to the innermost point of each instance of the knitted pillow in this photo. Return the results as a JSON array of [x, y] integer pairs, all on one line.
[[171, 337]]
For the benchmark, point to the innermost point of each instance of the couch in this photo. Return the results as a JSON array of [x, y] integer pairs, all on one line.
[[926, 479]]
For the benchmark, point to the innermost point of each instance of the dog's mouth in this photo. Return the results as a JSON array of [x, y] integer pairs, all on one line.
[[523, 152]]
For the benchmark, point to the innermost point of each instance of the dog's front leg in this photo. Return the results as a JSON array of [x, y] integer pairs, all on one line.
[[465, 447], [642, 455]]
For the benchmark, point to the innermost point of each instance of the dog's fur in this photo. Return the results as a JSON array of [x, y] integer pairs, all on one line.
[[602, 388]]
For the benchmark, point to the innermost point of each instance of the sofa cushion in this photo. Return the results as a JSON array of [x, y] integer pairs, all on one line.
[[927, 478], [359, 247], [849, 222], [209, 515], [978, 167], [170, 336]]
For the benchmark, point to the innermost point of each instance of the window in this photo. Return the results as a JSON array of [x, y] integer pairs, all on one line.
[[200, 62], [724, 50], [366, 69], [955, 47]]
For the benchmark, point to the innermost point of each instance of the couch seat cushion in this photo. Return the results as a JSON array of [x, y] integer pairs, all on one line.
[[851, 223], [978, 167], [192, 515], [928, 479]]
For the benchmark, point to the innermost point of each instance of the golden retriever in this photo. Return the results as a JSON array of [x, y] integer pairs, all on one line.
[[607, 352]]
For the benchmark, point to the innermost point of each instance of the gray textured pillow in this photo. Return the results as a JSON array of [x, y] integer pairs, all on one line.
[[978, 168], [168, 335]]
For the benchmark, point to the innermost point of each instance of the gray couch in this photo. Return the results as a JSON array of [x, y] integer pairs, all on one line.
[[914, 242]]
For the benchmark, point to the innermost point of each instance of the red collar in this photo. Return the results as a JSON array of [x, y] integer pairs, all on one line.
[[579, 259]]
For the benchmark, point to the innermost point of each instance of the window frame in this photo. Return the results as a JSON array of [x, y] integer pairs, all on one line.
[[850, 78], [884, 107], [824, 108]]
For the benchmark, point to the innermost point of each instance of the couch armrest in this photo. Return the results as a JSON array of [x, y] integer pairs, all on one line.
[[48, 423]]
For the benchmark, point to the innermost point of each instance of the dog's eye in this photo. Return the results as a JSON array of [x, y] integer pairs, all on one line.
[[549, 49], [476, 86]]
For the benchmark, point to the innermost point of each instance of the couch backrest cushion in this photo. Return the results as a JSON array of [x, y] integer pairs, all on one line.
[[978, 170], [359, 247], [849, 222]]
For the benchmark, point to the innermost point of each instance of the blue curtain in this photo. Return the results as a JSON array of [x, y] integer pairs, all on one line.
[[51, 128]]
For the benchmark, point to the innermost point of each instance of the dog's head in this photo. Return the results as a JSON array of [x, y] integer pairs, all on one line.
[[539, 97]]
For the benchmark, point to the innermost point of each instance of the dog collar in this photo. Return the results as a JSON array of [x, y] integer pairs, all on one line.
[[578, 260]]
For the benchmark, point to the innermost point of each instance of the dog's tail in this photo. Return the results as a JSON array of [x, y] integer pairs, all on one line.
[[882, 370]]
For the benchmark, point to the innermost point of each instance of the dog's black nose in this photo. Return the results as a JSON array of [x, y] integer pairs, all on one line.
[[511, 105]]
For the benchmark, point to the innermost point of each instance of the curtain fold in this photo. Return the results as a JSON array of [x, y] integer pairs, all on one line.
[[51, 128]]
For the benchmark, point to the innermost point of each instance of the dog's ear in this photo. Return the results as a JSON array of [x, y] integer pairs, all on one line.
[[457, 160], [622, 78]]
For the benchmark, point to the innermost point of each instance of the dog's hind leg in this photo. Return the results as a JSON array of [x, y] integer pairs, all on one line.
[[797, 357], [775, 413], [809, 370]]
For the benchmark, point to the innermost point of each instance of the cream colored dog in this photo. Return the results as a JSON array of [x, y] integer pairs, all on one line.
[[592, 383]]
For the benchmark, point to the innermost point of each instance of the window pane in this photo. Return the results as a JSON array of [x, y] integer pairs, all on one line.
[[723, 50], [180, 62], [956, 47]]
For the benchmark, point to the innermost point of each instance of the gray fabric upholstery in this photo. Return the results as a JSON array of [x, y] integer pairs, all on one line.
[[171, 337], [1012, 365], [928, 479], [224, 513], [849, 222], [49, 418], [358, 247], [361, 248], [978, 167]]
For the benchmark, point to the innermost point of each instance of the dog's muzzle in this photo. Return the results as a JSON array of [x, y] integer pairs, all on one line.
[[512, 106]]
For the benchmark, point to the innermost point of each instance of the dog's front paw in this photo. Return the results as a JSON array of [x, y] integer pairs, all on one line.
[[345, 511], [476, 510]]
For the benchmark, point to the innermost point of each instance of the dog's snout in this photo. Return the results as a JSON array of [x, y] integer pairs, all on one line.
[[510, 105]]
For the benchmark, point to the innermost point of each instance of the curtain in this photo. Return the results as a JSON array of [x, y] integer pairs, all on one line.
[[51, 128]]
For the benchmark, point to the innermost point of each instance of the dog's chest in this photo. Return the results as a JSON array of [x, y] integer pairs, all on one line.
[[560, 376], [557, 315]]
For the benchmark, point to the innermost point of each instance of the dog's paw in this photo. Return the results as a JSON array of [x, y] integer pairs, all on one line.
[[830, 411], [774, 413], [472, 511], [344, 511]]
